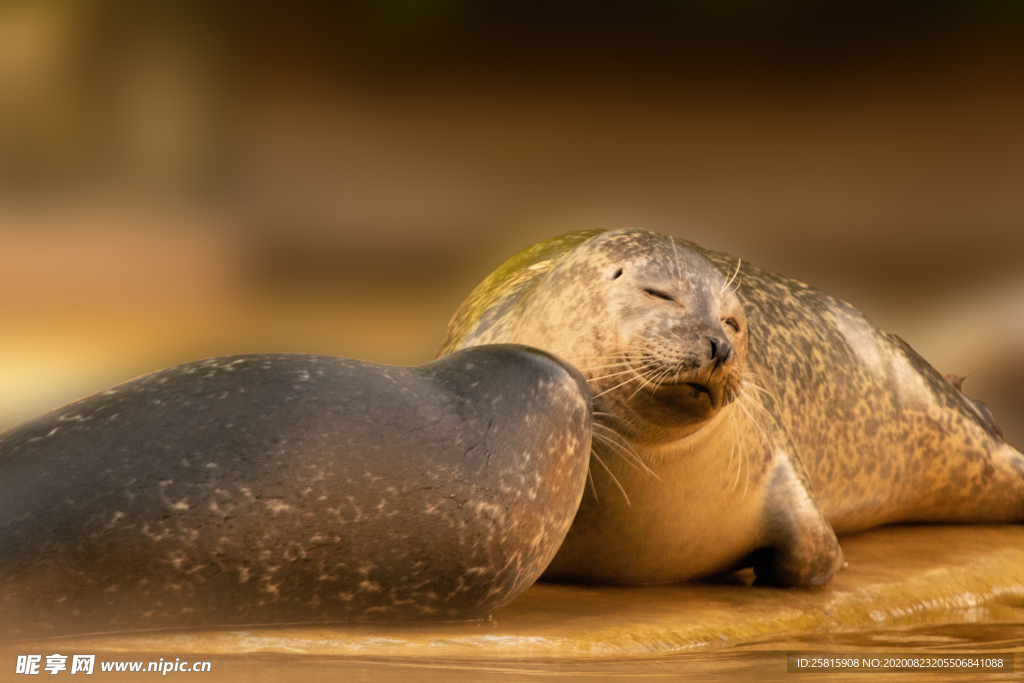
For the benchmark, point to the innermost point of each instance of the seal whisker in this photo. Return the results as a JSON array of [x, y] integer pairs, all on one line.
[[601, 415], [616, 374], [761, 391], [736, 452], [646, 381], [755, 401], [632, 379], [744, 461], [612, 415], [659, 376], [608, 442], [751, 411], [653, 369], [642, 356], [590, 478], [737, 448], [670, 371], [619, 347], [679, 261], [751, 391], [753, 380], [763, 440], [601, 360], [610, 474], [746, 403], [618, 355], [602, 367], [732, 451], [623, 445], [621, 372], [730, 280], [675, 253]]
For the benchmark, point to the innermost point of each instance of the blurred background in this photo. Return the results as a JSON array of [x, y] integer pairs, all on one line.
[[182, 179]]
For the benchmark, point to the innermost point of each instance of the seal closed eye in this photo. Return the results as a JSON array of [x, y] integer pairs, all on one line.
[[745, 426], [659, 295]]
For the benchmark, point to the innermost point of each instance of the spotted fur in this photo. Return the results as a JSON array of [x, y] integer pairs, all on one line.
[[825, 423]]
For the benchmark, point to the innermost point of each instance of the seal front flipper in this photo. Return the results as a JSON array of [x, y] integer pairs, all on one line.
[[800, 548]]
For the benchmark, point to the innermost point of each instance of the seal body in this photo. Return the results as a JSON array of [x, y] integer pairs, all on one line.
[[283, 488], [741, 417]]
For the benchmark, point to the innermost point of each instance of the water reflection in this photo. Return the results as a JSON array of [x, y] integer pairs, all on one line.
[[923, 589], [725, 665]]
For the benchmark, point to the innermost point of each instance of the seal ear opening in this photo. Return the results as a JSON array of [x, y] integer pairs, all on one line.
[[617, 274]]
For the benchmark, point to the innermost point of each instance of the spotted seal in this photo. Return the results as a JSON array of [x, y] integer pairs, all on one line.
[[279, 488], [742, 418]]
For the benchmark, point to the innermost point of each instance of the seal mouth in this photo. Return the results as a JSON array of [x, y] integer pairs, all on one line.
[[687, 390], [698, 388], [677, 392], [689, 393], [700, 392]]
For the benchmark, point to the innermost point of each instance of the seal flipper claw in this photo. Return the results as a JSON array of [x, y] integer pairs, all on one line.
[[801, 548], [978, 407]]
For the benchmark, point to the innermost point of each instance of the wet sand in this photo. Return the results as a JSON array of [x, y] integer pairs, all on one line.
[[936, 589]]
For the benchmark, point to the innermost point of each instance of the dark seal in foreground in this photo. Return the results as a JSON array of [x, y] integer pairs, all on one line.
[[284, 488]]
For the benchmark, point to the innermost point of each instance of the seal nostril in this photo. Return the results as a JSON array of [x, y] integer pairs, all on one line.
[[720, 350]]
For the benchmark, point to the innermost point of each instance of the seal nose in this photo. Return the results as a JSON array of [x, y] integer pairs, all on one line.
[[720, 351]]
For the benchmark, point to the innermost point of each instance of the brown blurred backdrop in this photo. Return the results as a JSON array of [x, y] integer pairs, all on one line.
[[186, 179]]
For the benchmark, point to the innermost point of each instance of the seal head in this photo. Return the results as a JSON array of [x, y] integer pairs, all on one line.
[[659, 334]]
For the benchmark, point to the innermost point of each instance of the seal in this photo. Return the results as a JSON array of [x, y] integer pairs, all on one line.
[[741, 418], [281, 488]]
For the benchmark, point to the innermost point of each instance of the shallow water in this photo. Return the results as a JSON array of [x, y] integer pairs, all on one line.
[[910, 590], [765, 661]]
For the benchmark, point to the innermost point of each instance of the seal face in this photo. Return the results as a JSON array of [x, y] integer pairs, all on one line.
[[741, 418], [283, 488]]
